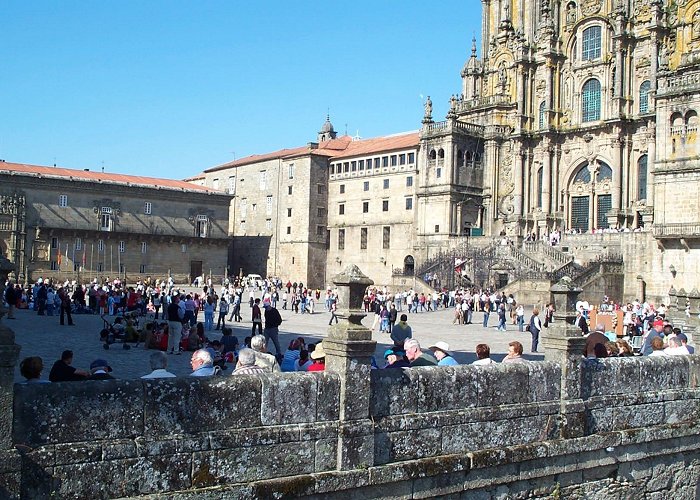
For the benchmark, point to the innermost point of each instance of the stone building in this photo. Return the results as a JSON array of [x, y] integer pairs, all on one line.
[[77, 224]]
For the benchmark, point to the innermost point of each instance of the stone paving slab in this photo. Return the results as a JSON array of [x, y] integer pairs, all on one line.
[[43, 336]]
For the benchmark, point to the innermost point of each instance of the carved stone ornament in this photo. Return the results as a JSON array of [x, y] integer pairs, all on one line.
[[642, 11], [590, 7]]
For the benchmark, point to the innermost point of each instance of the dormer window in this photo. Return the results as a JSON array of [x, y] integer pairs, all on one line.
[[106, 219], [202, 225]]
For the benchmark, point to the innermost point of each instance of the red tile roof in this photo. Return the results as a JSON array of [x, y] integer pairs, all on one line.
[[282, 153], [380, 144], [88, 175]]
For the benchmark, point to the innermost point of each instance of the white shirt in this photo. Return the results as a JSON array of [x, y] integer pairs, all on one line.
[[485, 361], [160, 373]]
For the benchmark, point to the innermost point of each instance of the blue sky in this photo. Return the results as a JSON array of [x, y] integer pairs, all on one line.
[[169, 88]]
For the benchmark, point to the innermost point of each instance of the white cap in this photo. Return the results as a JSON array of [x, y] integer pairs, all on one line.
[[443, 346]]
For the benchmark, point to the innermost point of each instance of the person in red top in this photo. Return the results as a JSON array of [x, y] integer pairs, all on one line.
[[319, 357]]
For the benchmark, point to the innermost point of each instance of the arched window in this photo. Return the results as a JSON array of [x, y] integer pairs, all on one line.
[[691, 120], [604, 172], [644, 89], [590, 107], [583, 175], [477, 160], [591, 43], [542, 119], [432, 155], [642, 178], [460, 158], [540, 180], [441, 155], [468, 159]]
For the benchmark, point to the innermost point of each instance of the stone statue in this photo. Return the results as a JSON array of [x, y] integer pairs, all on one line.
[[428, 109], [571, 13]]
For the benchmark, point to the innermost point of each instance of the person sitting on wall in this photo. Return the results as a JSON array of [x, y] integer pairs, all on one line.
[[319, 359], [262, 357], [675, 347], [159, 364], [31, 369], [441, 351], [62, 371], [515, 353], [483, 355], [395, 358], [684, 342], [593, 338], [202, 364], [246, 363], [415, 355], [100, 370]]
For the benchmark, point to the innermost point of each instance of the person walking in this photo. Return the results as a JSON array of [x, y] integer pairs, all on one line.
[[65, 306], [273, 320], [257, 317], [535, 328]]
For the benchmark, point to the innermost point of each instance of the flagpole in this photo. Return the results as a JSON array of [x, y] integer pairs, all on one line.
[[92, 250]]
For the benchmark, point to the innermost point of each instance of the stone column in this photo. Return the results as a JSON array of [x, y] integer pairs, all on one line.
[[547, 180], [651, 159], [564, 344], [349, 348], [10, 470]]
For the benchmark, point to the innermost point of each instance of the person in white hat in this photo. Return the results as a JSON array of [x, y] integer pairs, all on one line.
[[441, 351]]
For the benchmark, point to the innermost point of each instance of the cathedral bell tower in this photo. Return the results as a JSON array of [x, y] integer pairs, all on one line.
[[327, 132]]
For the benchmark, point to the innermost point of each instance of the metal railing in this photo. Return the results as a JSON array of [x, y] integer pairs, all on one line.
[[676, 230]]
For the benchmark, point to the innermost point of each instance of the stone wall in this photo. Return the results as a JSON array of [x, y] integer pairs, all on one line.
[[481, 430]]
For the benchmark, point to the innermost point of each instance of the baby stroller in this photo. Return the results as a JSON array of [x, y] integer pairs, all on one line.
[[116, 332]]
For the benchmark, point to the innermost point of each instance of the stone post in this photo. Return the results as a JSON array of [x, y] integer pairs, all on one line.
[[564, 344], [349, 348], [10, 464], [672, 300]]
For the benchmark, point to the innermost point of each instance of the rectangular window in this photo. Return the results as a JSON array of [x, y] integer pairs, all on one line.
[[365, 207], [106, 221], [263, 180], [183, 248], [369, 163], [232, 184], [385, 205], [290, 171], [338, 168], [54, 265], [215, 183], [144, 247], [437, 228], [346, 167], [342, 188], [54, 242], [78, 244], [289, 190], [320, 231], [289, 229], [386, 183], [202, 227], [147, 208], [268, 205], [365, 186], [411, 158], [363, 238], [320, 212], [409, 181], [409, 203], [100, 267], [361, 164], [385, 161], [63, 200], [289, 212], [244, 207], [122, 247], [438, 172], [243, 226], [341, 239], [402, 159], [320, 188], [142, 268], [393, 160], [341, 209], [386, 237], [100, 245], [328, 239], [377, 163], [353, 166], [268, 224]]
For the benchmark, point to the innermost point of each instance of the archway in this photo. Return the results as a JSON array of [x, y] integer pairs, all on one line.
[[409, 265]]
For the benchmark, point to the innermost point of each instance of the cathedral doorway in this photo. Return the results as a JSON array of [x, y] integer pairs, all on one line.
[[408, 265], [590, 197]]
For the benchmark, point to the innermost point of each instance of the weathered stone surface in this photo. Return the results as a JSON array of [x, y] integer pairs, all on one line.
[[393, 392], [327, 399], [544, 381], [502, 384], [609, 376], [661, 373], [280, 392], [182, 405], [70, 412]]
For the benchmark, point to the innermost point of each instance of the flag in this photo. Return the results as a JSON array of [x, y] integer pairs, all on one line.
[[59, 255]]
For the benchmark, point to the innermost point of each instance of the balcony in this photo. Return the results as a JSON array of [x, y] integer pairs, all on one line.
[[684, 230]]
